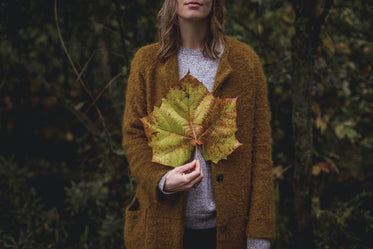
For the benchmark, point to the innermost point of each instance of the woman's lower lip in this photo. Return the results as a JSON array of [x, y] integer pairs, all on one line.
[[193, 5]]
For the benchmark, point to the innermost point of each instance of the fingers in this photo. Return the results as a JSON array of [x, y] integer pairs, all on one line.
[[193, 170], [184, 177], [194, 177], [198, 168], [187, 168]]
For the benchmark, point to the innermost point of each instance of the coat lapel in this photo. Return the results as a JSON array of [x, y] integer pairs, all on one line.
[[170, 70], [224, 69]]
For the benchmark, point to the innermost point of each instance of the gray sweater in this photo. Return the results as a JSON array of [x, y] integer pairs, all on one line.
[[200, 210]]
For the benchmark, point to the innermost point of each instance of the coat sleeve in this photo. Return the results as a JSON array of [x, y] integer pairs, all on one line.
[[261, 223], [135, 144]]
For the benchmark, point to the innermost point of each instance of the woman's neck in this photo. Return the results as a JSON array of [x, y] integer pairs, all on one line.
[[192, 33]]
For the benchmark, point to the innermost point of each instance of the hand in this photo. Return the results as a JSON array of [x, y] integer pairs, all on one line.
[[184, 178]]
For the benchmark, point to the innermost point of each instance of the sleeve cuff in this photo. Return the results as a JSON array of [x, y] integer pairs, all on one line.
[[253, 243], [161, 185]]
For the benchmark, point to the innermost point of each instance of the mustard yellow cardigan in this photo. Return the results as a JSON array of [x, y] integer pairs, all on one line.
[[243, 187]]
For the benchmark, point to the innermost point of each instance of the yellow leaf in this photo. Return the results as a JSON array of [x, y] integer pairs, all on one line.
[[69, 136], [190, 115], [277, 172], [321, 124], [315, 170]]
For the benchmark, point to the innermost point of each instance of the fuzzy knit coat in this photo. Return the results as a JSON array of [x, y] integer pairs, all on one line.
[[243, 187]]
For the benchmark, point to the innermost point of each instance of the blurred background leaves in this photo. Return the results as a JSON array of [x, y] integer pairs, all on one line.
[[63, 175]]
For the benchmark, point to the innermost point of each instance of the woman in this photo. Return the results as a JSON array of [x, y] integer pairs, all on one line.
[[200, 204]]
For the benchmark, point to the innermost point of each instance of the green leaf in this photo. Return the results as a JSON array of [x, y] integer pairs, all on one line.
[[190, 115], [346, 130]]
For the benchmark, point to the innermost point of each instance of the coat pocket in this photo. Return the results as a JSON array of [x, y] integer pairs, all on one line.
[[164, 228], [134, 226]]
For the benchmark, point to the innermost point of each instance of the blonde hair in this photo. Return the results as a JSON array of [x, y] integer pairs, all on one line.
[[169, 32]]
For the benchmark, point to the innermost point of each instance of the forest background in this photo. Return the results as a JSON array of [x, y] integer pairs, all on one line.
[[64, 66]]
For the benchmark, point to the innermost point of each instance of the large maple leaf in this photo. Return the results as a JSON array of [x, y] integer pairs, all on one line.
[[190, 115]]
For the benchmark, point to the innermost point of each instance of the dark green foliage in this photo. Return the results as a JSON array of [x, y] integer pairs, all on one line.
[[36, 212], [63, 176], [348, 224]]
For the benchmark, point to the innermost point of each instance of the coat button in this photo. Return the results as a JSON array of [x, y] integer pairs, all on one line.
[[223, 229], [220, 178]]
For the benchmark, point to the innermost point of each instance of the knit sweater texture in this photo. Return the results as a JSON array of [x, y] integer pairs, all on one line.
[[242, 184]]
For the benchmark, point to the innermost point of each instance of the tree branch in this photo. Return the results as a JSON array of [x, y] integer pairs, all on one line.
[[78, 78], [104, 89], [75, 70]]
